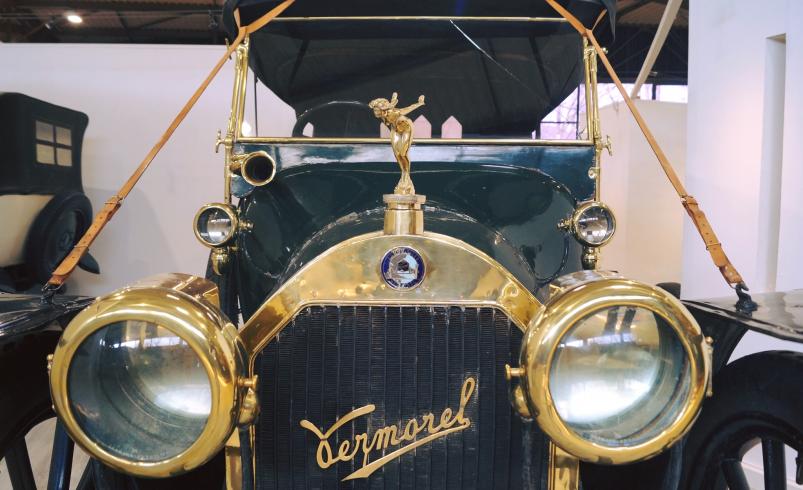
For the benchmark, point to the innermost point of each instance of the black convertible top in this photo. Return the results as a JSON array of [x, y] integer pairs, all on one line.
[[499, 76]]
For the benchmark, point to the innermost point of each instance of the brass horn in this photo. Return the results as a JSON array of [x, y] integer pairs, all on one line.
[[257, 168]]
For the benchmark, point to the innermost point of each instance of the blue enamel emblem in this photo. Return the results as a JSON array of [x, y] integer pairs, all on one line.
[[402, 268]]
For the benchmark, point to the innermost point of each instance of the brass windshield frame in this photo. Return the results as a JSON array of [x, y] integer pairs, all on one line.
[[235, 134]]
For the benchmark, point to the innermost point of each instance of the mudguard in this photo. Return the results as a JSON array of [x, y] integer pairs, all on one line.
[[779, 315], [22, 315]]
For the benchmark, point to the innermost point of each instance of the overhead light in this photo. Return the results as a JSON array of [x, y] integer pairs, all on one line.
[[73, 18]]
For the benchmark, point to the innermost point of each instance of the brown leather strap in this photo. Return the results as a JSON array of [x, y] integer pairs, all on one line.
[[69, 263], [712, 244]]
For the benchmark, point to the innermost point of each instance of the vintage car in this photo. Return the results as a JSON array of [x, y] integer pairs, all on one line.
[[42, 202], [402, 289]]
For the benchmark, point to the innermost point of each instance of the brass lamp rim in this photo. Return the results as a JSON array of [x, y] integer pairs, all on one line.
[[212, 338], [562, 313], [241, 163], [230, 212], [578, 213]]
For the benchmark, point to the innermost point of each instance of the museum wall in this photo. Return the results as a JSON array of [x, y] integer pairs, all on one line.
[[745, 152], [648, 242], [131, 93]]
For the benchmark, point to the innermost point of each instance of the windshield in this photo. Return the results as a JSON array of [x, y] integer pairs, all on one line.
[[482, 78]]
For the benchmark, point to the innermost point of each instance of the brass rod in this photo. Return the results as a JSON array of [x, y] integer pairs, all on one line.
[[419, 142]]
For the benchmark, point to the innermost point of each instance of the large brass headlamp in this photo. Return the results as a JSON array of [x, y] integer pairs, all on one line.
[[148, 378], [613, 370]]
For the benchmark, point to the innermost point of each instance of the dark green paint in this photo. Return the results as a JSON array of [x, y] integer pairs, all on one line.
[[508, 211]]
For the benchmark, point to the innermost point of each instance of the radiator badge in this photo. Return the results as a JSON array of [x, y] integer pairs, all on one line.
[[403, 268], [392, 435]]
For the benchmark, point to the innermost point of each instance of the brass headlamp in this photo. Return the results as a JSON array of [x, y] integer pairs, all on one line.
[[613, 370], [149, 379]]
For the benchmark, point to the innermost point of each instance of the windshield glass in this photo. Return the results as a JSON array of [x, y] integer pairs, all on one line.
[[482, 78]]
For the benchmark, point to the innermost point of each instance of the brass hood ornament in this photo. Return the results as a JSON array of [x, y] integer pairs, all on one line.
[[403, 215]]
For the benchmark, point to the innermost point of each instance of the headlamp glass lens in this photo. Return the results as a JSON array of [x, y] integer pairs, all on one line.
[[214, 226], [619, 376], [139, 391], [594, 225]]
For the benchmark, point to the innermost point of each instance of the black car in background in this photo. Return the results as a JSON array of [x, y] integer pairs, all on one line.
[[42, 203]]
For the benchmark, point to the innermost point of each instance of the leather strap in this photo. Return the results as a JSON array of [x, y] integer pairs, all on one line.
[[111, 206], [691, 205]]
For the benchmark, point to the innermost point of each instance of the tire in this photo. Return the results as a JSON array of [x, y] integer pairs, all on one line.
[[756, 398], [24, 401], [55, 231], [24, 388]]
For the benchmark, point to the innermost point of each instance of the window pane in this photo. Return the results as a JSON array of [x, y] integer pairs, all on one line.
[[558, 131], [64, 156], [44, 131], [63, 136], [44, 154]]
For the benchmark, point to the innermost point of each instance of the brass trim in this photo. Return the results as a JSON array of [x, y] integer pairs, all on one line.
[[564, 469], [385, 438], [403, 214], [235, 122], [230, 212], [348, 274], [184, 305], [431, 141], [575, 302]]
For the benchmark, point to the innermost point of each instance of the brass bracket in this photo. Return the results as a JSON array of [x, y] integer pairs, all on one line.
[[709, 350], [249, 405], [607, 145], [221, 259], [513, 372]]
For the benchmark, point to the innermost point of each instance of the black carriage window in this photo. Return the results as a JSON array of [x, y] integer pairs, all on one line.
[[53, 144]]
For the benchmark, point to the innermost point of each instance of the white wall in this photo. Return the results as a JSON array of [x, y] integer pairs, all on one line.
[[131, 93], [735, 156], [745, 153], [648, 242]]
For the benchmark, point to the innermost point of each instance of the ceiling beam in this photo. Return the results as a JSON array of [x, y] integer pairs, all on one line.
[[632, 8], [133, 6], [161, 36]]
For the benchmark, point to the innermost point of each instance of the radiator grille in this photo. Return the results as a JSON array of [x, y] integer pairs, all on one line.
[[407, 361]]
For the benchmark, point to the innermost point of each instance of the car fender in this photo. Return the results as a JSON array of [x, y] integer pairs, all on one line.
[[22, 315], [778, 315]]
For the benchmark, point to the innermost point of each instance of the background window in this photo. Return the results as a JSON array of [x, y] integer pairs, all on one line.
[[53, 144]]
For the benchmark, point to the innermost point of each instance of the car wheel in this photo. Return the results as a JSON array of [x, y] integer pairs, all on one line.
[[25, 410], [757, 401], [55, 231]]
